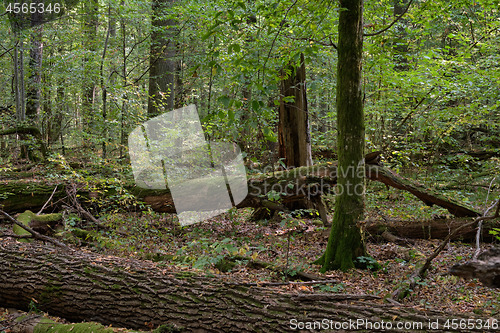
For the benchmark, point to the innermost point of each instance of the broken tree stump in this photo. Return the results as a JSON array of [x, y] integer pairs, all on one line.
[[486, 268]]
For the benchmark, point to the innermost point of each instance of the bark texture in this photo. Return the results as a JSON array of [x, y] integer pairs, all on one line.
[[138, 294], [486, 268], [294, 135], [430, 229], [346, 241], [162, 63]]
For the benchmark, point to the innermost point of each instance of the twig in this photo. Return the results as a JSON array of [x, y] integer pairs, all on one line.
[[283, 22], [392, 23], [35, 234], [71, 191], [50, 198]]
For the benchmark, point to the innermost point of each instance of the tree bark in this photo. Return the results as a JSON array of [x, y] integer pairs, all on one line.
[[34, 89], [141, 295], [430, 229], [162, 65], [294, 135], [90, 26], [346, 241], [31, 130], [486, 268]]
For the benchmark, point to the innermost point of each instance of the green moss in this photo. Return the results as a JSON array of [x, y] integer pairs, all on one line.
[[167, 328], [52, 327], [50, 292], [28, 217], [225, 265], [184, 275], [25, 219]]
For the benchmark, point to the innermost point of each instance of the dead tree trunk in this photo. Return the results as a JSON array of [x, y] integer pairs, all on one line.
[[138, 294], [294, 135]]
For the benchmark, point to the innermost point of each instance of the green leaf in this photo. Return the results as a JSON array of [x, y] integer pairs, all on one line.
[[225, 101], [234, 48]]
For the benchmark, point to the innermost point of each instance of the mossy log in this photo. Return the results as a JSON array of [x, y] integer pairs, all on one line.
[[430, 229], [45, 224], [142, 295], [20, 195], [304, 183]]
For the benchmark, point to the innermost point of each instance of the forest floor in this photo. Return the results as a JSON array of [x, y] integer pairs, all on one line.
[[223, 246]]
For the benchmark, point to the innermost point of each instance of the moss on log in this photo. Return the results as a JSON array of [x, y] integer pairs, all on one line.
[[141, 295], [291, 186]]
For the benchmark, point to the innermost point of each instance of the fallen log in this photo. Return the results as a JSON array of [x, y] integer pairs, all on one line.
[[142, 295], [427, 195], [291, 186], [430, 229]]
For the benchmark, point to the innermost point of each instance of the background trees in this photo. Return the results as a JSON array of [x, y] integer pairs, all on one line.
[[430, 84]]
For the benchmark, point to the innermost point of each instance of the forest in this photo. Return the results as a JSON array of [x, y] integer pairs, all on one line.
[[249, 166]]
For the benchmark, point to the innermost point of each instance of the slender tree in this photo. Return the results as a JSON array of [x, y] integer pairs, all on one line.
[[346, 242]]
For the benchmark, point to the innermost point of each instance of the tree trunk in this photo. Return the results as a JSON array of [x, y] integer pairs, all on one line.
[[162, 63], [90, 25], [19, 77], [34, 89], [400, 43], [142, 295], [346, 242], [294, 135]]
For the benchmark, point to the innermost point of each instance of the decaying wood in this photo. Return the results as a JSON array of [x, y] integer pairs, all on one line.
[[421, 269], [35, 234], [430, 229], [486, 268], [299, 184], [139, 294]]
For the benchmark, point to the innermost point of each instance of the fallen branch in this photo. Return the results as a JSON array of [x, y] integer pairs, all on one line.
[[71, 190], [46, 203]]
